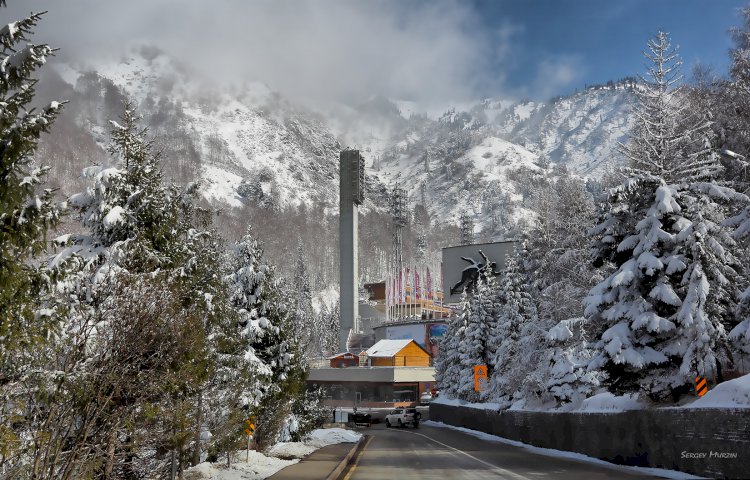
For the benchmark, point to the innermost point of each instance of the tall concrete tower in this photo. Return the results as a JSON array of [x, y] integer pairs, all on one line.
[[351, 195]]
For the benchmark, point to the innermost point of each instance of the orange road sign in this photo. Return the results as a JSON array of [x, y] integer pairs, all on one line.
[[701, 387], [250, 426], [480, 377]]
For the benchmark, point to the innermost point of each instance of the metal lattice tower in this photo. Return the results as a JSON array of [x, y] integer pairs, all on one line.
[[399, 216], [466, 224]]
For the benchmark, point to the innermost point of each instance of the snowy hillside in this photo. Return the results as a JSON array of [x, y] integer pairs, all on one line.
[[251, 146], [248, 145], [581, 131], [476, 181]]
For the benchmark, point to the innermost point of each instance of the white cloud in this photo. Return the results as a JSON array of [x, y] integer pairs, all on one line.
[[555, 74], [428, 52]]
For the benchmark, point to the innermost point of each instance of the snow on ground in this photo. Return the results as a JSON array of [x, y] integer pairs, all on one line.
[[281, 455], [608, 403], [221, 185], [461, 403], [258, 467], [730, 394], [318, 439], [601, 403], [550, 452]]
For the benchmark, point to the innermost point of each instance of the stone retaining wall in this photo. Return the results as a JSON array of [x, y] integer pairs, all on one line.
[[689, 440]]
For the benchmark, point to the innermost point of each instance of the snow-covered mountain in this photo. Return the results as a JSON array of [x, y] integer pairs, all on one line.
[[248, 144], [580, 131]]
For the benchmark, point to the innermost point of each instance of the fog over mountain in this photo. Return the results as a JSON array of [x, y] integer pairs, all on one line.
[[433, 53]]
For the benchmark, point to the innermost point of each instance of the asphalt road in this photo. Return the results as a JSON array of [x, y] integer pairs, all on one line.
[[446, 454]]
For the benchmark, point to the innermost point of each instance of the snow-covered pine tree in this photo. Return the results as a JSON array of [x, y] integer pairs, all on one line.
[[270, 326], [740, 333], [27, 210], [633, 309], [568, 378], [304, 310], [661, 317], [557, 252], [517, 335], [711, 281], [729, 103], [448, 361], [668, 140], [141, 231], [476, 346]]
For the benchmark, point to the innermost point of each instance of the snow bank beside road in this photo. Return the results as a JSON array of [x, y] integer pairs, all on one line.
[[461, 403], [280, 456], [609, 403], [258, 467], [730, 394], [318, 439]]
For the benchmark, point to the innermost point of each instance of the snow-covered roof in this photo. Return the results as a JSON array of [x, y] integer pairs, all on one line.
[[342, 354], [387, 348]]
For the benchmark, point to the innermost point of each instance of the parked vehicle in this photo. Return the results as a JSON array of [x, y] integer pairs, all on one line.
[[425, 398], [402, 417], [417, 414], [359, 418]]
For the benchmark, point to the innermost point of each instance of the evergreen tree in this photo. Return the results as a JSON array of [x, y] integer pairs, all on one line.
[[303, 294], [516, 333], [661, 318], [740, 333], [476, 346], [568, 378], [262, 305], [656, 323], [668, 141], [448, 362], [26, 208], [27, 211], [141, 229]]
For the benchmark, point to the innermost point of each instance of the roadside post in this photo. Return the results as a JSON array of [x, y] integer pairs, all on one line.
[[249, 430]]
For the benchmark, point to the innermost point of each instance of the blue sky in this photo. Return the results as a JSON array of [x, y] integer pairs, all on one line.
[[601, 40], [432, 52]]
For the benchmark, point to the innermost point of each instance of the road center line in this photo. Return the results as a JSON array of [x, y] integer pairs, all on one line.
[[357, 458], [500, 469]]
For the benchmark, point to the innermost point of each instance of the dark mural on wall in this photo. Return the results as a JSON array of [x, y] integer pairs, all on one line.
[[463, 264], [470, 274]]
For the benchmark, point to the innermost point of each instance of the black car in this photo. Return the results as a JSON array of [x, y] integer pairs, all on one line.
[[359, 418]]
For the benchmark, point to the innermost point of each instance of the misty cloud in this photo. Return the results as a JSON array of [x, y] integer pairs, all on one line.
[[427, 52], [557, 73]]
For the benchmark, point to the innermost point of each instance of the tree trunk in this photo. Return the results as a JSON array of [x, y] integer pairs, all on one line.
[[197, 435], [109, 466]]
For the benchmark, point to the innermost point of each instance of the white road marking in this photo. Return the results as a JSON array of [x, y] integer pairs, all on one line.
[[494, 467]]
